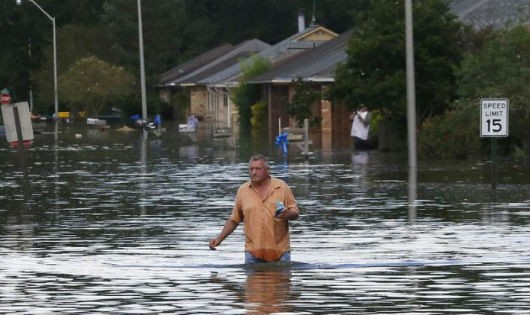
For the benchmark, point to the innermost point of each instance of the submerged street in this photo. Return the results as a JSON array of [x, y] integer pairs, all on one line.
[[109, 223]]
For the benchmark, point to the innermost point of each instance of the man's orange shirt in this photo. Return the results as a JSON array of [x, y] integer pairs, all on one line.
[[267, 237]]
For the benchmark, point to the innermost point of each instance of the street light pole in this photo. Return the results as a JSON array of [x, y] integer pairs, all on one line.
[[411, 86], [142, 66], [55, 89]]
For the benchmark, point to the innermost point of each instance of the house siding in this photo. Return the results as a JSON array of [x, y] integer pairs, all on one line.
[[198, 102]]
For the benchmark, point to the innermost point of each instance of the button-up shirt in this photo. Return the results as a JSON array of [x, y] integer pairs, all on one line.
[[266, 237]]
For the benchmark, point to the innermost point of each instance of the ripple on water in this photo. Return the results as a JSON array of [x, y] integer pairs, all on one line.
[[107, 229]]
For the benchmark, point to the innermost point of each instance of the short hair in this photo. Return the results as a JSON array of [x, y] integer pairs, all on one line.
[[259, 157]]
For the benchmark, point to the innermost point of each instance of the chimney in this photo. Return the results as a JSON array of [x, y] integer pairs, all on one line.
[[301, 20]]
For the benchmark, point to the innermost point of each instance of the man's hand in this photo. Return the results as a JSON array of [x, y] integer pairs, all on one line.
[[228, 228], [213, 243], [288, 214]]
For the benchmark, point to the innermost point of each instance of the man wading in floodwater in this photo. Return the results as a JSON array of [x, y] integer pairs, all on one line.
[[266, 205]]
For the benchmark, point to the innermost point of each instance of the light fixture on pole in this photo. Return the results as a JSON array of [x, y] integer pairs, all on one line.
[[55, 89]]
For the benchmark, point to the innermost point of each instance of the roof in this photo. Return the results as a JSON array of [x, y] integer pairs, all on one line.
[[233, 57], [290, 46], [194, 63], [222, 66], [227, 58], [316, 64], [499, 14]]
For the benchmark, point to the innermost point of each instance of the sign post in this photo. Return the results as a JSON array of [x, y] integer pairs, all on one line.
[[494, 120]]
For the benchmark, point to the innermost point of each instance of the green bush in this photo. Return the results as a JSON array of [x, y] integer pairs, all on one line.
[[302, 103], [377, 117], [259, 115], [452, 135]]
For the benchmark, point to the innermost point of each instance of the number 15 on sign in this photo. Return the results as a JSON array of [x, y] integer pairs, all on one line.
[[494, 116]]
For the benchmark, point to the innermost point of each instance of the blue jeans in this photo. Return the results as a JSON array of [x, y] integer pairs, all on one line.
[[249, 259]]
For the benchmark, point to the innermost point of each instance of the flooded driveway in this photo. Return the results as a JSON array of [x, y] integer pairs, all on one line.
[[98, 222]]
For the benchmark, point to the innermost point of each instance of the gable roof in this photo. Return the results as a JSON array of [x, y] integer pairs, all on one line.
[[499, 14], [316, 64], [313, 32], [193, 64], [290, 46], [233, 56]]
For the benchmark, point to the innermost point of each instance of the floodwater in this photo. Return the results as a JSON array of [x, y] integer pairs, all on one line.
[[98, 222]]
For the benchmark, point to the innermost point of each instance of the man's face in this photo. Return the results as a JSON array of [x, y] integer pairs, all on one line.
[[258, 172]]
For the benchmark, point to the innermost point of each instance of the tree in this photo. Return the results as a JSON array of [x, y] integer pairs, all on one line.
[[15, 64], [164, 27], [245, 95], [501, 69], [374, 72], [300, 107], [30, 44], [74, 42], [91, 84]]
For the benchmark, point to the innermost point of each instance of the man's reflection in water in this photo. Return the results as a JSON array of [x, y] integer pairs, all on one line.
[[267, 289]]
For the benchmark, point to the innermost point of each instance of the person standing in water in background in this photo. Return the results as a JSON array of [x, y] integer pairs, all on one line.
[[266, 205], [360, 128]]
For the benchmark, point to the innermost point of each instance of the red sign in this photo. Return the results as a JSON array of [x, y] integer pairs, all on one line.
[[5, 98]]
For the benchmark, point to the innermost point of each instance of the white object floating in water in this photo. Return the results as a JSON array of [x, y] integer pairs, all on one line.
[[78, 136], [186, 128]]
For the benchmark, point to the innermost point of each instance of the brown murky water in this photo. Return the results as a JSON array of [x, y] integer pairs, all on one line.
[[107, 223]]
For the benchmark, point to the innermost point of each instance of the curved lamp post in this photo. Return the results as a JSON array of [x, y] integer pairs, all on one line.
[[55, 90]]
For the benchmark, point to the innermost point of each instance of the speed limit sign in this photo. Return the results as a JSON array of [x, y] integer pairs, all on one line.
[[494, 116]]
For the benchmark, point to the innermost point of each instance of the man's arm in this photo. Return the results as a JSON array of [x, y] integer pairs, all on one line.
[[228, 228]]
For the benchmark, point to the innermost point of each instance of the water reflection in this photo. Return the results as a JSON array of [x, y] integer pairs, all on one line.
[[359, 165], [267, 288], [142, 184], [117, 223], [413, 194]]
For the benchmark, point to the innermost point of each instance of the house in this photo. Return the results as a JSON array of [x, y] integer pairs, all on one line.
[[316, 65], [167, 78], [210, 83], [220, 83], [189, 75]]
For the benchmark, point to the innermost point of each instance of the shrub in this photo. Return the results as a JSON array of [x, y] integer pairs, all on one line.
[[452, 135], [259, 115]]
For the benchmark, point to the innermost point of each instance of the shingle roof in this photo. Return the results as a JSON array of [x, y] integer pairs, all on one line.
[[193, 64], [199, 77], [230, 58], [498, 14], [275, 53], [315, 64]]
